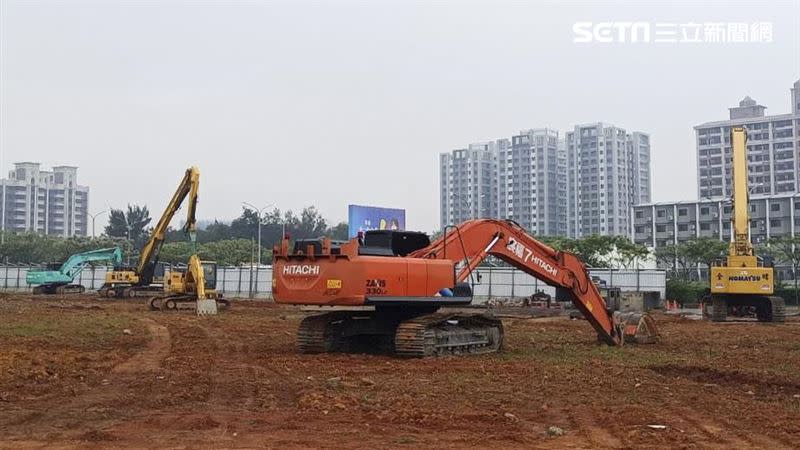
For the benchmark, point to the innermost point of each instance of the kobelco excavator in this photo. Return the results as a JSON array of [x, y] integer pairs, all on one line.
[[406, 279], [58, 279], [742, 280]]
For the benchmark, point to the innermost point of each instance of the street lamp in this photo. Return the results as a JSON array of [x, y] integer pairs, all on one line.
[[259, 212], [94, 216]]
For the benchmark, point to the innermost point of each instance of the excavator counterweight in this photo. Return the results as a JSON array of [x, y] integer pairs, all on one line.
[[407, 278]]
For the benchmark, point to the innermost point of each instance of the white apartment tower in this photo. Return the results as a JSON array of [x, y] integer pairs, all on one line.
[[773, 145], [532, 189], [46, 202], [467, 183], [608, 172]]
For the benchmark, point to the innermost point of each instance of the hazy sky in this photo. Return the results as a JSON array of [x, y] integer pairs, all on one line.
[[294, 103]]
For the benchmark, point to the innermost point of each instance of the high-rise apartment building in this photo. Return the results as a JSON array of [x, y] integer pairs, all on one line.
[[608, 172], [468, 182], [532, 188], [773, 145], [47, 202]]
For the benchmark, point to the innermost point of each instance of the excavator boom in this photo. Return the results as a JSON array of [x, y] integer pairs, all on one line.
[[188, 187], [472, 241]]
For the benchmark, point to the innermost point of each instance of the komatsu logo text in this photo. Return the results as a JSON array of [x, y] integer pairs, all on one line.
[[301, 269], [526, 255]]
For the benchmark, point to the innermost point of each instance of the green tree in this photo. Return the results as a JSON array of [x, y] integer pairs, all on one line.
[[130, 224], [704, 250], [339, 232], [627, 252], [786, 250]]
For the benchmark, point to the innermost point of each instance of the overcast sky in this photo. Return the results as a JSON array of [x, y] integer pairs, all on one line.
[[300, 104]]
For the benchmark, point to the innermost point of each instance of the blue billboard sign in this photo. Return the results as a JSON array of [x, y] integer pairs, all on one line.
[[363, 218]]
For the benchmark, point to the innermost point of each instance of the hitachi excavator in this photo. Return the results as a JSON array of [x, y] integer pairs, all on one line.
[[138, 281], [406, 279], [742, 281]]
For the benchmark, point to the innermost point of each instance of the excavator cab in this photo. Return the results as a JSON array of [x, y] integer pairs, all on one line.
[[210, 274]]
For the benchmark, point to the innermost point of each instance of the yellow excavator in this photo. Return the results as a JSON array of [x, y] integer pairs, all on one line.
[[193, 286], [741, 283], [140, 280]]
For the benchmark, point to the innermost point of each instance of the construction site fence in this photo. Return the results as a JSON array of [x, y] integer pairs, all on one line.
[[488, 282]]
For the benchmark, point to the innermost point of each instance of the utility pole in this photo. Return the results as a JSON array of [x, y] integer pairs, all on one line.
[[259, 212]]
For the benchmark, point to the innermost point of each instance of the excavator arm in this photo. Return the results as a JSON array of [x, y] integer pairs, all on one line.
[[472, 241], [149, 256], [75, 263]]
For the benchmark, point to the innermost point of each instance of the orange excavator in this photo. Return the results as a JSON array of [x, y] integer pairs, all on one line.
[[406, 279]]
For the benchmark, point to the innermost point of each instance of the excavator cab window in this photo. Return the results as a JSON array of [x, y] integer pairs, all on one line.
[[392, 242], [210, 274]]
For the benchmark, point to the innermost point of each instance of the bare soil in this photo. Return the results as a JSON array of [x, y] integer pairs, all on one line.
[[71, 376]]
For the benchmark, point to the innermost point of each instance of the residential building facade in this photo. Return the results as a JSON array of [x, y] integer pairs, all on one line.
[[468, 182], [532, 188], [773, 146], [608, 172], [46, 202], [660, 224]]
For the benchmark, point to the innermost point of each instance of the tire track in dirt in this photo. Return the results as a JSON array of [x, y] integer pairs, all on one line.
[[150, 358], [721, 433], [97, 404]]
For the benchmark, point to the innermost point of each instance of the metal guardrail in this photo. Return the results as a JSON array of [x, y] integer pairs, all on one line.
[[496, 282], [233, 282]]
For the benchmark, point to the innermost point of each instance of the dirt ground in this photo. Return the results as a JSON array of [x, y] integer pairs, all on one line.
[[82, 372]]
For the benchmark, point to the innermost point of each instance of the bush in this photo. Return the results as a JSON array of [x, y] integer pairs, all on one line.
[[787, 292], [686, 291]]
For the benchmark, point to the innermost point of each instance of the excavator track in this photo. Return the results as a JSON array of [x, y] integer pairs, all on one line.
[[316, 334], [180, 303], [772, 310], [418, 336], [448, 334]]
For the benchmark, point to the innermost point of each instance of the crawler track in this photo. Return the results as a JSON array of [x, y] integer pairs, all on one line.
[[418, 336]]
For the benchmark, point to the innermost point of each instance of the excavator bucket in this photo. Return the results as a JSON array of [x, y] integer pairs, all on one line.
[[206, 307], [637, 328]]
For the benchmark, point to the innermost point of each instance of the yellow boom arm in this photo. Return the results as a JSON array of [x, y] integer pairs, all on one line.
[[187, 187], [740, 245]]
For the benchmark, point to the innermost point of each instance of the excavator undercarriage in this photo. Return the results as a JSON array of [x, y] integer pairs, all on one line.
[[59, 289], [409, 333]]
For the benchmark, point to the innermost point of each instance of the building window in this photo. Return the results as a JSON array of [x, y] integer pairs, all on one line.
[[683, 211], [775, 207], [775, 223], [639, 214], [704, 210], [705, 226], [683, 227], [661, 213], [661, 228], [753, 208]]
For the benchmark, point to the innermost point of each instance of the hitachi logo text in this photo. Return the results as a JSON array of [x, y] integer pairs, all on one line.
[[301, 269]]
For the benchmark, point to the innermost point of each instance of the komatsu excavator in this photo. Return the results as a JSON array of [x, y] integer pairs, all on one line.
[[138, 281], [742, 280], [191, 288], [406, 279]]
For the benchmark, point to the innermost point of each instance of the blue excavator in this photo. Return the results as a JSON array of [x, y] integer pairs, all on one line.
[[58, 279]]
